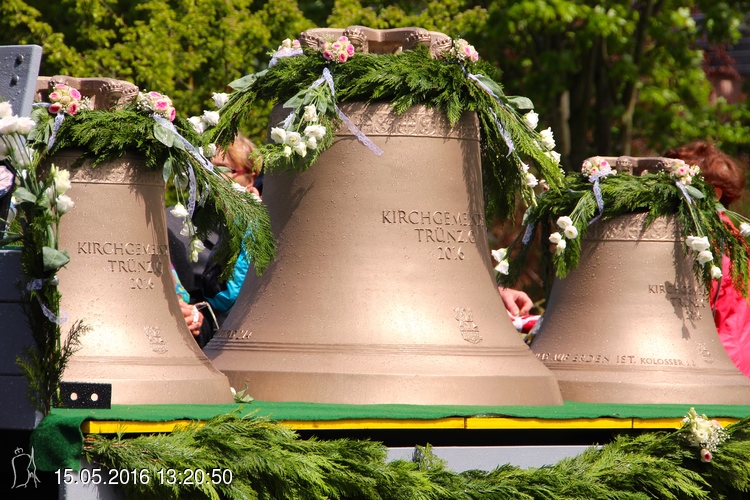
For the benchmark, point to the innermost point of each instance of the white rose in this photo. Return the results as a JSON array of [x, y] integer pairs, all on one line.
[[531, 119], [311, 143], [311, 114], [179, 211], [292, 139], [64, 204], [188, 229], [211, 118], [317, 131], [704, 256], [499, 254], [560, 247], [698, 244], [564, 222], [25, 125], [554, 156], [524, 167], [548, 139], [220, 99], [211, 150], [287, 151], [503, 267], [571, 232], [198, 124], [5, 109], [238, 187], [715, 273], [196, 246], [555, 238], [278, 135], [300, 149], [745, 229], [531, 180], [8, 125]]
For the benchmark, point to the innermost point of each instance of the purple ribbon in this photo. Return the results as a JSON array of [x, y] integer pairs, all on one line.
[[506, 136]]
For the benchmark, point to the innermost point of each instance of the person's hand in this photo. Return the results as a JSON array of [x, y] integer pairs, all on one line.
[[517, 302], [193, 318]]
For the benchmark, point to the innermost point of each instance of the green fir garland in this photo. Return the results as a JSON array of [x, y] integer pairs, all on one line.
[[269, 461], [622, 193], [405, 79]]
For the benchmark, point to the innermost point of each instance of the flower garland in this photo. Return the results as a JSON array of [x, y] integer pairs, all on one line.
[[39, 201], [600, 192], [312, 83]]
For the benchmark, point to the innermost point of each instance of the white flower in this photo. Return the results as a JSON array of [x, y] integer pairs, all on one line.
[[698, 243], [220, 99], [548, 139], [64, 204], [564, 222], [278, 135], [188, 229], [554, 156], [531, 119], [524, 167], [61, 178], [8, 125], [198, 124], [571, 232], [238, 187], [745, 229], [287, 151], [210, 118], [311, 143], [311, 114], [715, 273], [196, 247], [499, 254], [704, 256], [292, 139], [5, 109], [503, 267], [317, 131], [211, 150], [25, 125], [300, 149], [560, 247], [555, 238], [531, 180], [179, 211]]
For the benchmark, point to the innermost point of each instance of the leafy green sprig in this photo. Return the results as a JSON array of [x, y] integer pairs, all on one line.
[[405, 79], [654, 194], [107, 135]]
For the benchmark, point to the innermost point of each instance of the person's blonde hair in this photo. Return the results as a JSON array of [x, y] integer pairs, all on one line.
[[241, 153]]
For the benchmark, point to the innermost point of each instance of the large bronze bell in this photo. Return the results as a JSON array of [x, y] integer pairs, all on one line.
[[382, 289], [631, 324], [119, 282]]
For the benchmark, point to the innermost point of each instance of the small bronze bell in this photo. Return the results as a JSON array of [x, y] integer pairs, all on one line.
[[631, 324], [382, 288], [119, 282]]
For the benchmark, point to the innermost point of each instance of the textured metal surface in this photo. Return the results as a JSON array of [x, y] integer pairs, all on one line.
[[632, 325], [19, 67], [382, 290], [374, 41], [119, 282]]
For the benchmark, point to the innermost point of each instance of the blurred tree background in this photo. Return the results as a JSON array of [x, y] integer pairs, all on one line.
[[612, 77]]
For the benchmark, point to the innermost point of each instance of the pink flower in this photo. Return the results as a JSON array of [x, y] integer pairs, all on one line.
[[60, 86], [161, 105], [706, 455], [343, 39], [350, 50], [475, 56], [75, 94], [343, 57], [604, 164], [72, 108], [172, 114], [336, 45], [328, 55], [155, 95], [54, 96], [54, 108]]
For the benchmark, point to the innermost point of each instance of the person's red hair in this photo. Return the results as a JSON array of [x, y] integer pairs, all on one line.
[[718, 169]]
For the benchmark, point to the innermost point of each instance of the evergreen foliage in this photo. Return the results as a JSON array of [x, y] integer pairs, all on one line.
[[655, 194], [269, 461], [405, 79], [239, 219]]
